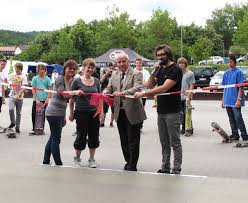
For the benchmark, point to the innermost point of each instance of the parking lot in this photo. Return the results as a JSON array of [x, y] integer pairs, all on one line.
[[203, 153]]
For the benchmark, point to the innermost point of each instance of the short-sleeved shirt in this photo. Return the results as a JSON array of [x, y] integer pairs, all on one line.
[[83, 102], [57, 104], [146, 75], [43, 83], [2, 79], [187, 80], [18, 80], [169, 103], [230, 95]]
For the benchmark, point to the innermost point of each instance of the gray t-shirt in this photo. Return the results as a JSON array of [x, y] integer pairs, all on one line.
[[57, 104], [187, 80], [83, 102]]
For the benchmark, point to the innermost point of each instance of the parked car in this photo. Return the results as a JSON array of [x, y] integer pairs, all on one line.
[[217, 79], [242, 59], [212, 60], [244, 69], [203, 75]]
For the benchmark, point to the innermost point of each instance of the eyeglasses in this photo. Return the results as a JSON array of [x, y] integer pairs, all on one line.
[[162, 54]]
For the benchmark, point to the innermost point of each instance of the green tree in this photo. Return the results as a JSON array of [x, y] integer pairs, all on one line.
[[202, 48], [116, 31], [160, 29], [82, 38], [241, 34], [63, 50], [225, 21]]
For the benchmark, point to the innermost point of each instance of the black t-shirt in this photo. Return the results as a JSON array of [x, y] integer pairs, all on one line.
[[169, 103]]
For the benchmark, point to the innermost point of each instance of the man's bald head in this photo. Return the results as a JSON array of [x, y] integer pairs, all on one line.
[[122, 61], [122, 55]]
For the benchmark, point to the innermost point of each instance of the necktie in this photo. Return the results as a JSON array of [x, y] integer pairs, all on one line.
[[121, 85], [122, 80]]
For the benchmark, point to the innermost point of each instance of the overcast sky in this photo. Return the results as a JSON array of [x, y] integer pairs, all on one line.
[[28, 15]]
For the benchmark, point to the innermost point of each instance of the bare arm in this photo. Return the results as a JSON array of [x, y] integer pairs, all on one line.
[[152, 82], [168, 84]]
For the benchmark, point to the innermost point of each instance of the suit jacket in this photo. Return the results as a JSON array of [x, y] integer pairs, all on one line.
[[133, 82]]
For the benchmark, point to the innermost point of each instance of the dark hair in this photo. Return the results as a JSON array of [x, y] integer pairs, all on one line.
[[233, 58], [110, 64], [19, 65], [3, 60], [167, 51], [40, 66], [69, 63]]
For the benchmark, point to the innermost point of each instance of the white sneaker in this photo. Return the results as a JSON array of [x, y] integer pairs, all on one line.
[[92, 163], [77, 161]]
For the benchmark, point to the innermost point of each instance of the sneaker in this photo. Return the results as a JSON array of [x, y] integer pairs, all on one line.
[[167, 171], [18, 130], [234, 137], [31, 133], [176, 171], [111, 125], [102, 125], [92, 163], [12, 125], [77, 161]]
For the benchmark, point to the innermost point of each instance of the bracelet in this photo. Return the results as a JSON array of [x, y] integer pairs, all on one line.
[[239, 98]]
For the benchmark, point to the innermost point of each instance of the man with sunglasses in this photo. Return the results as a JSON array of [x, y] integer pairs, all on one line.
[[167, 76]]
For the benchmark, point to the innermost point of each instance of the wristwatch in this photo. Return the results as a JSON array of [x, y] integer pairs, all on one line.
[[239, 98]]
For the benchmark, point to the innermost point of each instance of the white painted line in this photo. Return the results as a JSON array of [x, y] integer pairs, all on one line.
[[118, 170]]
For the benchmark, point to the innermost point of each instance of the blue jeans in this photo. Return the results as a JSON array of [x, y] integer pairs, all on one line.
[[52, 147], [236, 122]]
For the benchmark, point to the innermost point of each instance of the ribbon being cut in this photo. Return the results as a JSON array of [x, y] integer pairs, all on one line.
[[98, 98]]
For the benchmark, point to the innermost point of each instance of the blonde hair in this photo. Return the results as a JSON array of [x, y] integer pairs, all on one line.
[[182, 60], [89, 62]]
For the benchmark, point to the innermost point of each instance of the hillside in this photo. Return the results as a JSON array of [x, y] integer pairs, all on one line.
[[14, 38]]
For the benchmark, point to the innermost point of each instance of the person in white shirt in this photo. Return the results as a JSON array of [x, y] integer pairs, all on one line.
[[54, 76], [145, 73], [146, 76], [16, 96], [3, 78]]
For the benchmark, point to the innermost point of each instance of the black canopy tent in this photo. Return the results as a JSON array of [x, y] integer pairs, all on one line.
[[109, 56]]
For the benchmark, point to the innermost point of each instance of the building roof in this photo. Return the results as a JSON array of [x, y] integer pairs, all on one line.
[[8, 49]]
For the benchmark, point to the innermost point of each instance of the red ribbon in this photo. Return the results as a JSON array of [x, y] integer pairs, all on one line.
[[97, 97]]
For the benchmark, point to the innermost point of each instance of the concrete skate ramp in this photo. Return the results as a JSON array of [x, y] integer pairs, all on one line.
[[22, 183]]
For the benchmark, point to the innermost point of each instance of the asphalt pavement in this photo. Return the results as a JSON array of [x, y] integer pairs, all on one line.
[[203, 153]]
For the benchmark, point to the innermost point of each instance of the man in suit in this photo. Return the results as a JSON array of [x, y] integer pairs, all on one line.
[[129, 113]]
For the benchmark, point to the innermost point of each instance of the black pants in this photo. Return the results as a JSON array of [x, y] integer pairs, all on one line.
[[183, 103], [87, 130], [144, 101], [130, 140], [34, 114], [1, 102]]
